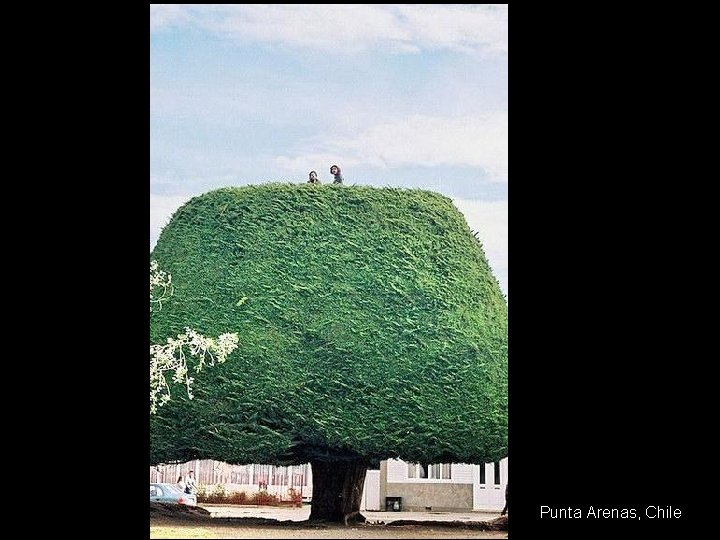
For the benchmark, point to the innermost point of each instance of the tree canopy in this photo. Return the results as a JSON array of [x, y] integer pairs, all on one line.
[[369, 324]]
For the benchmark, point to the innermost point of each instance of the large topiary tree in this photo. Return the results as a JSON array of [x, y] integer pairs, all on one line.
[[370, 327]]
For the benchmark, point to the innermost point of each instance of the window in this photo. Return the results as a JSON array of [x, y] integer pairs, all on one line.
[[482, 473], [436, 471], [241, 474], [299, 475], [497, 473]]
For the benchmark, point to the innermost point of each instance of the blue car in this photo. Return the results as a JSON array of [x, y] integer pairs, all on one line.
[[171, 493]]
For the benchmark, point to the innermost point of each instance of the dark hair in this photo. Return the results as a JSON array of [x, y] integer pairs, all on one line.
[[179, 478], [331, 168]]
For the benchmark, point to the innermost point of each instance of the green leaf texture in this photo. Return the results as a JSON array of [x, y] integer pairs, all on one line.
[[370, 325]]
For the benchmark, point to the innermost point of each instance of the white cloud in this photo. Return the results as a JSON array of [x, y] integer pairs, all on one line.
[[461, 27], [474, 141], [161, 208], [490, 220], [470, 28], [309, 161], [166, 15]]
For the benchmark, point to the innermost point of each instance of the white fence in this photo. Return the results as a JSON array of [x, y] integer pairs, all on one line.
[[248, 478]]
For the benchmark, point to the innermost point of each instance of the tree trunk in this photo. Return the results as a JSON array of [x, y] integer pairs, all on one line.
[[337, 490]]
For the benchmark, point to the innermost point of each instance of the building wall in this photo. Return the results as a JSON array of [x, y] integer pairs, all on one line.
[[436, 497], [466, 489], [461, 473], [383, 483], [371, 491], [419, 494]]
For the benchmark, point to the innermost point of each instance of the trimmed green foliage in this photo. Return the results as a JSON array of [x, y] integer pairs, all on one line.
[[369, 321]]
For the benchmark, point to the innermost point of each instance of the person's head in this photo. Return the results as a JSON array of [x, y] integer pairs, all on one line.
[[334, 170], [191, 474], [313, 175]]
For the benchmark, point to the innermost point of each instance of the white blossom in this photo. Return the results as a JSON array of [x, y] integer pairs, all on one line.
[[171, 357], [161, 286]]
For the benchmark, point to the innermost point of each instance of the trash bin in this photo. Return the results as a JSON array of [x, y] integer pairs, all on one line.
[[393, 504]]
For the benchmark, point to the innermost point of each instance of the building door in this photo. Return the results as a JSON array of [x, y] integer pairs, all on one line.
[[489, 480], [371, 491]]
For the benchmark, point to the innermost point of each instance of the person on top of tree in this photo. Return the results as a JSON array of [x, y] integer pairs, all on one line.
[[335, 171], [313, 178]]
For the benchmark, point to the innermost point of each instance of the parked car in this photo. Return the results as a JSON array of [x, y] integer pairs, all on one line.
[[171, 493]]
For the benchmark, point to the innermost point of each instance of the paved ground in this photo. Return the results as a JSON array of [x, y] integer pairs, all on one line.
[[162, 527], [301, 514]]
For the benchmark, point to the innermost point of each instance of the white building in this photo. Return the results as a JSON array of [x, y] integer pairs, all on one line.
[[440, 487], [436, 487]]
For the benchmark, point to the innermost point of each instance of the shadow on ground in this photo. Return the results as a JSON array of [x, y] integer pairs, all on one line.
[[169, 512]]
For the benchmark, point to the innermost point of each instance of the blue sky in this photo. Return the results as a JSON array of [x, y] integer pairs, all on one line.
[[400, 95]]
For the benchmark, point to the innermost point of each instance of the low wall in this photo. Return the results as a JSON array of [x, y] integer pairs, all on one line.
[[438, 497]]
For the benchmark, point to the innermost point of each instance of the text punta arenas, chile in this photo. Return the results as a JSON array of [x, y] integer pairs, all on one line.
[[651, 512]]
